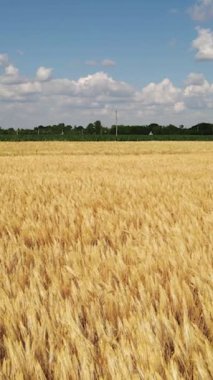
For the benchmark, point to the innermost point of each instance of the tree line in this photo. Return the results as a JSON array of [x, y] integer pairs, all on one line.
[[98, 129]]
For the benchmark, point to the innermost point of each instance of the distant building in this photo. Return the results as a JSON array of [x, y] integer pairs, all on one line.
[[150, 133]]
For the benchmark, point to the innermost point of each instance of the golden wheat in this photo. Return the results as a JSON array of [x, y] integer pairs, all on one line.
[[106, 261]]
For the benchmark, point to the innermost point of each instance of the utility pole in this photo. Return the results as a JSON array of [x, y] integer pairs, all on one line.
[[116, 123]]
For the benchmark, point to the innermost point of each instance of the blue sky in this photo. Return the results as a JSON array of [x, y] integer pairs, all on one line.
[[75, 61]]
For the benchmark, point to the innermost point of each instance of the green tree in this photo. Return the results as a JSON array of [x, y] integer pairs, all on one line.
[[98, 127], [90, 128]]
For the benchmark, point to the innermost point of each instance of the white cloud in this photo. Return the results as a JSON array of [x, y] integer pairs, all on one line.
[[11, 70], [108, 63], [43, 73], [198, 95], [98, 85], [204, 44], [4, 59], [29, 88], [101, 84], [198, 90], [159, 93], [28, 102], [196, 79], [202, 10], [11, 73], [179, 107]]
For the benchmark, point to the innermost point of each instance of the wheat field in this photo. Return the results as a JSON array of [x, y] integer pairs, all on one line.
[[106, 261]]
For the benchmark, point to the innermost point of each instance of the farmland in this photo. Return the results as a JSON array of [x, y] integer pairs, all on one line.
[[86, 138], [106, 260]]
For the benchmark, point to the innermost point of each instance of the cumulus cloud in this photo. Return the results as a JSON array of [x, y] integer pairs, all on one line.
[[11, 73], [198, 94], [202, 10], [43, 73], [159, 93], [4, 59], [204, 44], [102, 84], [198, 89], [196, 79], [44, 99], [11, 70]]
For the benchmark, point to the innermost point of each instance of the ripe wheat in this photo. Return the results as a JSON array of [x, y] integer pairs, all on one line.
[[106, 261]]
